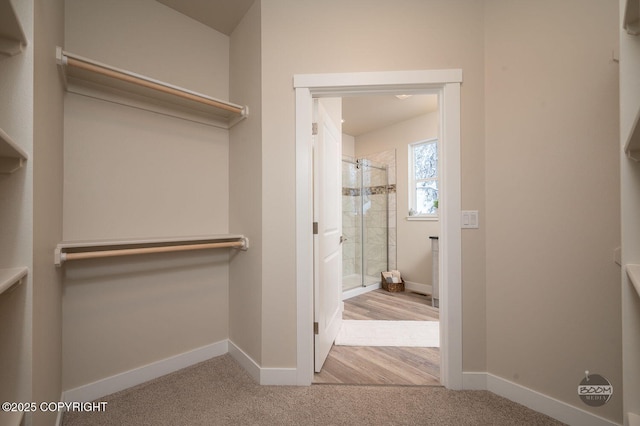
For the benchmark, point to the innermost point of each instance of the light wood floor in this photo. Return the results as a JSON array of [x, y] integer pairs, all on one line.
[[384, 365]]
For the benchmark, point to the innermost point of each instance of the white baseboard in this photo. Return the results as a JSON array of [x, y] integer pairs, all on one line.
[[245, 361], [418, 287], [279, 376], [60, 412], [263, 376], [136, 376], [537, 401]]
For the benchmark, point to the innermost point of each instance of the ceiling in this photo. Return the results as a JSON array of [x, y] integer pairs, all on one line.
[[221, 15], [361, 114], [364, 114]]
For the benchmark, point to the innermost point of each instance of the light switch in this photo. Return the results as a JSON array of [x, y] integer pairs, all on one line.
[[469, 219]]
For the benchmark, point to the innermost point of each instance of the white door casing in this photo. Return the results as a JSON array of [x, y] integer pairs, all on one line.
[[327, 156], [447, 84]]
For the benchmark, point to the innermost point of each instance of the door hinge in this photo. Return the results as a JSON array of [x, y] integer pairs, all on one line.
[[315, 328], [315, 228], [314, 129]]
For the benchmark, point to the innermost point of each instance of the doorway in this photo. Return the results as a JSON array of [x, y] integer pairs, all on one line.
[[380, 234], [386, 227], [447, 84]]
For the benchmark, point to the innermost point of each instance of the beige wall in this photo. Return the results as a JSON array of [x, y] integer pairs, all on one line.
[[413, 245], [629, 106], [552, 193], [149, 38], [134, 173], [348, 145], [245, 187], [560, 254], [47, 224], [449, 36]]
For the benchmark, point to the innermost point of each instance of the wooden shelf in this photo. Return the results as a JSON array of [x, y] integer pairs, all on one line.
[[10, 277], [633, 271], [12, 157], [12, 38], [134, 245], [632, 146], [88, 77], [631, 21]]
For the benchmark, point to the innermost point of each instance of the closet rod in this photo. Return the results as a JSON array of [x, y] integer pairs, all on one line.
[[149, 250], [91, 66]]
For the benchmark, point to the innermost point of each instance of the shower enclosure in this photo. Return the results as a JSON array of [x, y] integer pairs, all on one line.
[[365, 222]]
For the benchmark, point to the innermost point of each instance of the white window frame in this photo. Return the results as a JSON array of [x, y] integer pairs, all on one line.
[[412, 180]]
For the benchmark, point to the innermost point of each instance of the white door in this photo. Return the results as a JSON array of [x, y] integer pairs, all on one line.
[[327, 208]]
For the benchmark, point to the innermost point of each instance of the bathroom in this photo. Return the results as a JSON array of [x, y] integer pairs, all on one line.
[[380, 228]]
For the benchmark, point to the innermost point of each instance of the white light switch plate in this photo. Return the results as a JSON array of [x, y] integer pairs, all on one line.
[[469, 219]]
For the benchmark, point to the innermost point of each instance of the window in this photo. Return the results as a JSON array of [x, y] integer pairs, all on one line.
[[423, 178]]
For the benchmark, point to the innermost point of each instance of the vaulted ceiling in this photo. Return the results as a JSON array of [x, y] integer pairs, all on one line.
[[221, 15], [361, 114]]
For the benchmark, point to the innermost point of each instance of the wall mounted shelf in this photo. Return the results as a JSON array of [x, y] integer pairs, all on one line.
[[10, 277], [12, 157], [77, 250], [88, 77], [633, 271], [12, 38], [631, 21], [632, 146]]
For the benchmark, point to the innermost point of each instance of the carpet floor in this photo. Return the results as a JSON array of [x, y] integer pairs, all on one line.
[[220, 392]]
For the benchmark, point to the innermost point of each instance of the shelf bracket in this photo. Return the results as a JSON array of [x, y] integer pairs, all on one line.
[[10, 164], [632, 17]]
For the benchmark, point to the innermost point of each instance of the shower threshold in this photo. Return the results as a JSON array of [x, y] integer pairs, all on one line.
[[352, 285]]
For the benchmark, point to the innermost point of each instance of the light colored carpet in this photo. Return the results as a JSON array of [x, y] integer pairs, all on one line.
[[220, 392], [423, 334]]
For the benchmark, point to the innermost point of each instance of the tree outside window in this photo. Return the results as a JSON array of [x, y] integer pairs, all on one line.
[[423, 176]]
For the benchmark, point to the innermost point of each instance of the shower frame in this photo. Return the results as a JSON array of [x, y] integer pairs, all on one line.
[[363, 275]]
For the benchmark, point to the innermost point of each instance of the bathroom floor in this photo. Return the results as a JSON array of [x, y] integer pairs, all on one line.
[[384, 365]]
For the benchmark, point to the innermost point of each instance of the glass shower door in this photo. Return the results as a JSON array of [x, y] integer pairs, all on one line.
[[375, 223], [365, 222], [351, 224]]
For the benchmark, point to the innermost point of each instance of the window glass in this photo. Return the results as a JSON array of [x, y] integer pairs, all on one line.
[[423, 197]]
